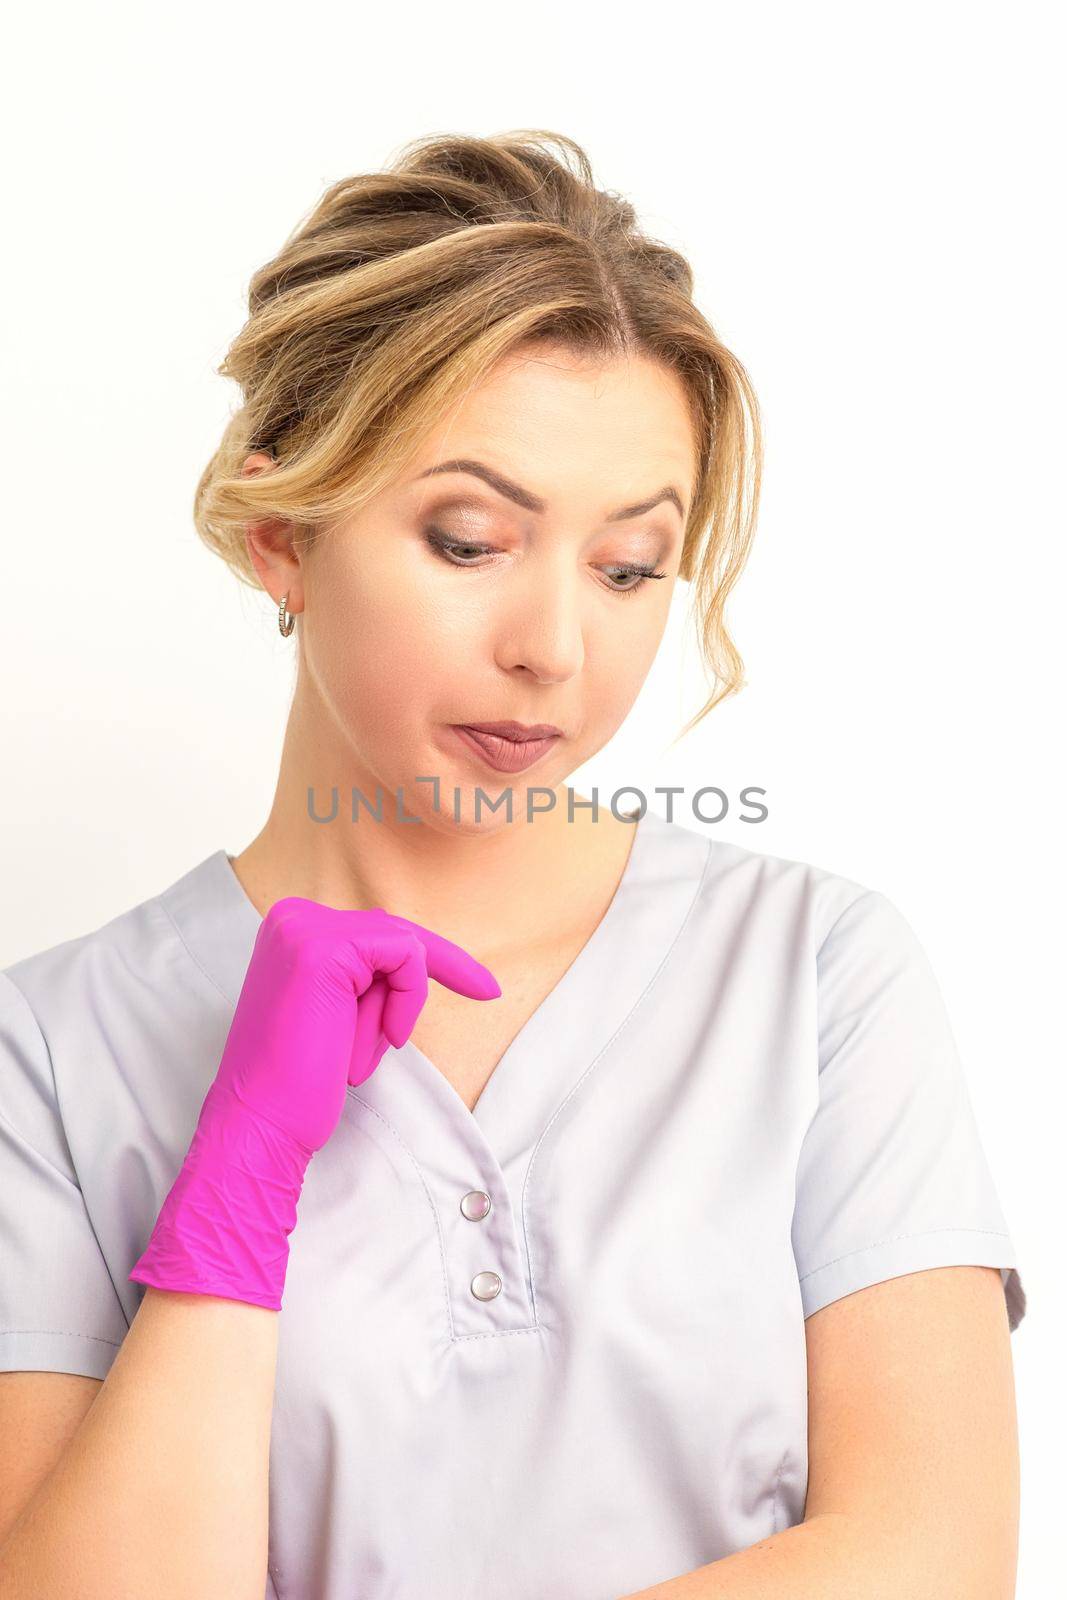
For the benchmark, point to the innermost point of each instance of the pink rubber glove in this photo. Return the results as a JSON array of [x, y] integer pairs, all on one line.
[[325, 995]]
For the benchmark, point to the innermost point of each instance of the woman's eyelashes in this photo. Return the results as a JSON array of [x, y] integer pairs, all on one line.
[[641, 572], [443, 546]]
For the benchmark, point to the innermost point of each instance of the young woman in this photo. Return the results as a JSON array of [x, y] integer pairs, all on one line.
[[651, 1248]]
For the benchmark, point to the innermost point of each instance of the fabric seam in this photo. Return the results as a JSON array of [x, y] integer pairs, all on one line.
[[76, 1183], [193, 957], [63, 1333], [924, 1233], [843, 913]]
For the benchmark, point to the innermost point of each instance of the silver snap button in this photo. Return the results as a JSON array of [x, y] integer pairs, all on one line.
[[475, 1205], [485, 1286]]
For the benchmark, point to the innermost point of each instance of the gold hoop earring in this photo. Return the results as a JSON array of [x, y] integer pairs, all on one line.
[[286, 624]]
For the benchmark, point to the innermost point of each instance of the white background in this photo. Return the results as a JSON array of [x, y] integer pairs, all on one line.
[[870, 197]]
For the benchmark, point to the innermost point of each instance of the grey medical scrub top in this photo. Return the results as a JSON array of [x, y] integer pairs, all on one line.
[[742, 1101]]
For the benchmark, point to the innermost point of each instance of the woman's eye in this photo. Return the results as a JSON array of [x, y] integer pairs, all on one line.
[[642, 574], [443, 546], [466, 553]]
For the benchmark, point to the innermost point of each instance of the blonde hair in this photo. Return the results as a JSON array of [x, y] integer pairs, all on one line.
[[400, 290]]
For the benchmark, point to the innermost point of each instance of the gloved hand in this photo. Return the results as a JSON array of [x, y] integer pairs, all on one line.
[[325, 995]]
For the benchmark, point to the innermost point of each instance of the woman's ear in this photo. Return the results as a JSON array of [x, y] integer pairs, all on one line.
[[270, 546]]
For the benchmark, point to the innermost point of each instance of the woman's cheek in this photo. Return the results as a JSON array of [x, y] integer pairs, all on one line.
[[628, 657]]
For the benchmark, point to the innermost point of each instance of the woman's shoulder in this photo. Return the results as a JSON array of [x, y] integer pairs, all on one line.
[[114, 1028], [137, 956], [773, 890]]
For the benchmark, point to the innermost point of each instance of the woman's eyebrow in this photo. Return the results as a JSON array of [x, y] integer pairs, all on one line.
[[531, 502]]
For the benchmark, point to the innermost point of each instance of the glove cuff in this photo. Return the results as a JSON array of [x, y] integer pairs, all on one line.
[[224, 1227]]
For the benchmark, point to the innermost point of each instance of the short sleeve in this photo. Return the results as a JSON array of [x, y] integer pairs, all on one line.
[[59, 1310], [892, 1176]]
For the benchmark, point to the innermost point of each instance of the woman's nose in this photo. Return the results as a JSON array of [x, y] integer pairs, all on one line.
[[543, 630]]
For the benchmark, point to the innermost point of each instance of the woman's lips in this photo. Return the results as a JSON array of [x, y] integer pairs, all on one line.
[[505, 755]]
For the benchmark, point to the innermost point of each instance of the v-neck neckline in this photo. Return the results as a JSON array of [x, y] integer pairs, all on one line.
[[567, 980], [558, 1043], [566, 1036]]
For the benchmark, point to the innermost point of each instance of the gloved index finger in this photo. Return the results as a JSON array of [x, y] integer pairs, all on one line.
[[451, 965]]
